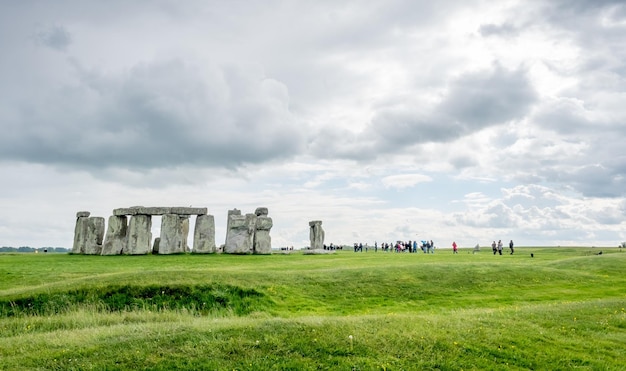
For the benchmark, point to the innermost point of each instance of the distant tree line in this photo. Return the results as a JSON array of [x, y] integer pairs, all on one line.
[[33, 249]]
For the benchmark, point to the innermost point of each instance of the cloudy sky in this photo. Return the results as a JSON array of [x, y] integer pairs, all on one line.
[[449, 120]]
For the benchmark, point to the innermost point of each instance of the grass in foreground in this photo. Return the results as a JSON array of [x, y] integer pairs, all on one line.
[[563, 309]]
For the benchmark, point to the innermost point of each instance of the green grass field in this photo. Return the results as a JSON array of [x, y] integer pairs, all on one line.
[[563, 309]]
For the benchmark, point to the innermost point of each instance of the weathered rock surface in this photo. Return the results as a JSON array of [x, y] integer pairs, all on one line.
[[316, 235], [240, 233], [262, 239], [231, 212], [80, 235], [204, 235], [94, 235], [189, 210], [125, 211], [139, 235], [116, 238], [88, 234], [174, 233], [261, 211]]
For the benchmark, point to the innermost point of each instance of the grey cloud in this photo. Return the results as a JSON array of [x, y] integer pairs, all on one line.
[[489, 98], [597, 167], [597, 180], [463, 162], [156, 115], [586, 19], [563, 116], [55, 37], [332, 142], [473, 102], [505, 29]]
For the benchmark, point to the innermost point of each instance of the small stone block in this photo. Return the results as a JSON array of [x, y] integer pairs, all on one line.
[[261, 211]]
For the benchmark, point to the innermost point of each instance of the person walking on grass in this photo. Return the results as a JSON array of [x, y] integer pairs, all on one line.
[[454, 249], [511, 247], [494, 248], [500, 247]]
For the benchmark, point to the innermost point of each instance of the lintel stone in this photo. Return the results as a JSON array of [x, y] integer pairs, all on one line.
[[124, 211], [140, 210]]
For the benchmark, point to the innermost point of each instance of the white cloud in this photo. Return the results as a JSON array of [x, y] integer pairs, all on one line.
[[405, 180]]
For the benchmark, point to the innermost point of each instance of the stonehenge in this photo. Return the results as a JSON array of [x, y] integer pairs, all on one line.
[[129, 232]]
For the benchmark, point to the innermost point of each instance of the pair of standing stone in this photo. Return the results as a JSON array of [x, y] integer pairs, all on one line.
[[248, 234]]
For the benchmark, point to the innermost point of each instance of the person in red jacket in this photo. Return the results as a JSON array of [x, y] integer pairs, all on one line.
[[454, 249]]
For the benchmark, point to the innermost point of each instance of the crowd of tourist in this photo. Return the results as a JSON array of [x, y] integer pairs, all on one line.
[[427, 247]]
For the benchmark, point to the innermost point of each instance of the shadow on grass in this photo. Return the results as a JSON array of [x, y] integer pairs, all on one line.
[[202, 299]]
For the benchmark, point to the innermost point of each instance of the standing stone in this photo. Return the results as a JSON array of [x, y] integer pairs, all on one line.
[[262, 239], [94, 235], [316, 235], [240, 234], [231, 212], [80, 232], [204, 235], [174, 232], [116, 238], [139, 235]]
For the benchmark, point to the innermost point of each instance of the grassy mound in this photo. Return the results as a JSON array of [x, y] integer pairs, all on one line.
[[202, 299]]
